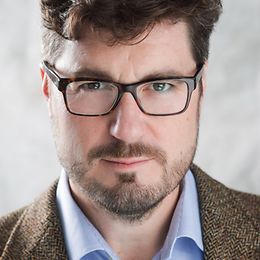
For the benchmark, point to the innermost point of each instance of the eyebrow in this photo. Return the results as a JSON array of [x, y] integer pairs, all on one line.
[[104, 76]]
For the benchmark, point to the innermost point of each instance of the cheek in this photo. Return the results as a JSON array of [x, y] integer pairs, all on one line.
[[77, 135], [188, 128], [65, 127], [179, 133]]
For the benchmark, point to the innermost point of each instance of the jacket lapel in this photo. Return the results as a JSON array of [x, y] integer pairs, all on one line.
[[211, 210], [38, 231], [227, 225]]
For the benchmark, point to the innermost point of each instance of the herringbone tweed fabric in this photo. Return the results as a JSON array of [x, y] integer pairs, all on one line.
[[230, 225]]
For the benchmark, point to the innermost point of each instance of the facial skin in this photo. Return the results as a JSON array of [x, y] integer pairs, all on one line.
[[126, 162]]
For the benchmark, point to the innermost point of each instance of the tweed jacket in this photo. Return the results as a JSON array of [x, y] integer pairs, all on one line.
[[230, 225]]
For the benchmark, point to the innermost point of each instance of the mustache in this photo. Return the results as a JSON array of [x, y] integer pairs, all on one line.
[[119, 149]]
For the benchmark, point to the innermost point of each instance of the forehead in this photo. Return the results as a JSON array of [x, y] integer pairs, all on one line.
[[165, 47]]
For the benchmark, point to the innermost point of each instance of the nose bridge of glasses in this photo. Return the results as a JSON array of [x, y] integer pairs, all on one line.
[[131, 88], [125, 88]]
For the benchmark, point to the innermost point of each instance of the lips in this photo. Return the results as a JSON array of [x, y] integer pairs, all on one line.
[[127, 162]]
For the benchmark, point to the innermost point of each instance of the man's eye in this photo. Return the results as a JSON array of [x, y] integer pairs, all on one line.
[[91, 85], [161, 86]]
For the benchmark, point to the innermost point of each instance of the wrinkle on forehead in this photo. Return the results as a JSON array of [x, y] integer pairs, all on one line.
[[166, 48]]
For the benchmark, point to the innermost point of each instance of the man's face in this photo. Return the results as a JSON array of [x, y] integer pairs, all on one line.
[[126, 161]]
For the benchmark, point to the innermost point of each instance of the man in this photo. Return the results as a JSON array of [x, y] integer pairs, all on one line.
[[124, 81]]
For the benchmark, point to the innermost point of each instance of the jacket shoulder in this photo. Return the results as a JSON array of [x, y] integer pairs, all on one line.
[[220, 195], [33, 232], [250, 202], [7, 225]]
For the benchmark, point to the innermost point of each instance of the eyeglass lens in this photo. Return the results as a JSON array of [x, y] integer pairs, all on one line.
[[157, 97]]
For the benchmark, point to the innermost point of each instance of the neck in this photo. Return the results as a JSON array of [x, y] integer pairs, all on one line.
[[131, 240]]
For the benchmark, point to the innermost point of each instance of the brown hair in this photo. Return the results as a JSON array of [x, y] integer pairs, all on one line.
[[126, 20]]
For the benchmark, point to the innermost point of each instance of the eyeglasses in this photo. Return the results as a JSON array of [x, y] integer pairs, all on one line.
[[92, 97]]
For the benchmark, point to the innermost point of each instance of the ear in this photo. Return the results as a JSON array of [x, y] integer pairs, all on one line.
[[45, 85], [204, 77], [46, 90]]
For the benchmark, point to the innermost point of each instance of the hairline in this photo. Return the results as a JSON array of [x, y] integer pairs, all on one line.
[[59, 41]]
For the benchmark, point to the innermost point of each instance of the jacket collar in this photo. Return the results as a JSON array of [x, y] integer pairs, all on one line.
[[38, 231]]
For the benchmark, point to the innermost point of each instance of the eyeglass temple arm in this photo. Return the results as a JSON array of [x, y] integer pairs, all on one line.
[[58, 82]]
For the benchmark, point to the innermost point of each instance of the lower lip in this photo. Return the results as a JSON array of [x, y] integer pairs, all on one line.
[[121, 165]]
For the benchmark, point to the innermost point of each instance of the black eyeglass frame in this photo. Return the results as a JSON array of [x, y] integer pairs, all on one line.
[[62, 83]]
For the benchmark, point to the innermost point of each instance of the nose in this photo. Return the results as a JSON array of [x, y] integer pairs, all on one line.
[[128, 123]]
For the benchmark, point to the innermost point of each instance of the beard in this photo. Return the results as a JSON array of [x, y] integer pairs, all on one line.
[[128, 200]]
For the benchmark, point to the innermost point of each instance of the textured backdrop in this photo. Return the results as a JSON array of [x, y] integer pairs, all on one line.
[[229, 144]]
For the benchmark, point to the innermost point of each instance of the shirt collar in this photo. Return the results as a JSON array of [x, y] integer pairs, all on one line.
[[186, 218]]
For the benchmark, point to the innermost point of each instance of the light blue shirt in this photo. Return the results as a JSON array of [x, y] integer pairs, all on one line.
[[84, 242]]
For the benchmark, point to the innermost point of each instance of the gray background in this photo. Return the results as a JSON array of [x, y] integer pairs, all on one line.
[[229, 145]]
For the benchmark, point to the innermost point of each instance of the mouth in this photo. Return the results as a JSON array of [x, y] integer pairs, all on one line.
[[126, 162]]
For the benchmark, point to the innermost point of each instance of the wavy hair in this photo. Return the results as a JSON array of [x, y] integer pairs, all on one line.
[[126, 20]]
